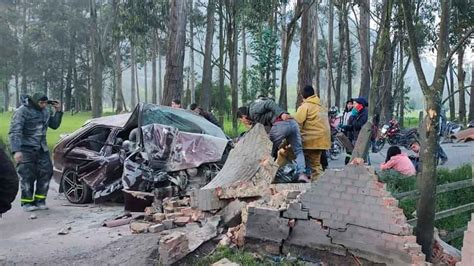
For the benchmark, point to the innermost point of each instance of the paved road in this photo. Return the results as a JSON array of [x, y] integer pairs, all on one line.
[[458, 154]]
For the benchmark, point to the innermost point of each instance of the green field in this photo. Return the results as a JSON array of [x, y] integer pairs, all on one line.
[[71, 123]]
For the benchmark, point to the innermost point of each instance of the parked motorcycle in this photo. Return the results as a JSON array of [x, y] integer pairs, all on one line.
[[394, 135], [449, 129]]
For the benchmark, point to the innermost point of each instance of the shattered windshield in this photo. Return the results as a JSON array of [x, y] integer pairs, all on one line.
[[181, 119]]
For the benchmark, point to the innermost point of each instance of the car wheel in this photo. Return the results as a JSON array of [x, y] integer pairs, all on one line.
[[75, 190]]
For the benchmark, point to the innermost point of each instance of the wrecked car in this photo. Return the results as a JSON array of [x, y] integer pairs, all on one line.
[[155, 149]]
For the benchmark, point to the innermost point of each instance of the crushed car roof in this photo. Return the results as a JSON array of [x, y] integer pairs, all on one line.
[[113, 120]]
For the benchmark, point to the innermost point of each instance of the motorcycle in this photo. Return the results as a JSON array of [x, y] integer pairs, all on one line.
[[449, 129], [394, 135]]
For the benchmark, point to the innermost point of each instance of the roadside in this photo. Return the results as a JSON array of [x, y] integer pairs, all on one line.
[[36, 241], [26, 241]]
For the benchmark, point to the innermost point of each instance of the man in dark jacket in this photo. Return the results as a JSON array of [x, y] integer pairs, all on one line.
[[30, 150], [357, 120], [208, 115], [8, 182], [282, 126]]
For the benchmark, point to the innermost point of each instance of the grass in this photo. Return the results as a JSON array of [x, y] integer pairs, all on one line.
[[444, 201], [70, 123], [243, 257]]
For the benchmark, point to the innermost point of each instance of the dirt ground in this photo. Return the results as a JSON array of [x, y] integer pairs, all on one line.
[[36, 241]]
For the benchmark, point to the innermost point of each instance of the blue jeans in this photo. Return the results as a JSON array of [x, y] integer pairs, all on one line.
[[441, 154], [290, 131]]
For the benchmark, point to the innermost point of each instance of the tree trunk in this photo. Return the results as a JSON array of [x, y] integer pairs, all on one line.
[[462, 91], [6, 94], [386, 84], [285, 52], [206, 84], [348, 52], [316, 78], [146, 81], [97, 64], [71, 62], [471, 98], [117, 61], [160, 82], [120, 106], [17, 91], [426, 181], [173, 86], [24, 54], [244, 85], [222, 98], [136, 81], [232, 47], [191, 55], [401, 87], [452, 106], [330, 51], [153, 68], [305, 63], [364, 41], [380, 55], [274, 52], [133, 89], [341, 59]]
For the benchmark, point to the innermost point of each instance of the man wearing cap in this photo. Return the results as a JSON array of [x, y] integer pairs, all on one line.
[[30, 150]]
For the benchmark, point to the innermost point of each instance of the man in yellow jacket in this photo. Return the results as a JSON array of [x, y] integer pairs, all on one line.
[[312, 117]]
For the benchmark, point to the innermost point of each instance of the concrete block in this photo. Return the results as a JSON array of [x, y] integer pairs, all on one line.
[[309, 233], [156, 228], [266, 224], [182, 220], [231, 214], [159, 217], [295, 211], [169, 224]]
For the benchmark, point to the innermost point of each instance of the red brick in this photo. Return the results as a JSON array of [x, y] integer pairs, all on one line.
[[183, 220]]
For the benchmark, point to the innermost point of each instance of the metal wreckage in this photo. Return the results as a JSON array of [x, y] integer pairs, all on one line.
[[155, 151]]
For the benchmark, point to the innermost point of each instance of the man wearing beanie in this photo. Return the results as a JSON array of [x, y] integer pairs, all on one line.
[[282, 127], [312, 117], [30, 150]]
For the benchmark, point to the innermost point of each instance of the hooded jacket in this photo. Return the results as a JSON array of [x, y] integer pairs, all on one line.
[[265, 111], [312, 117], [356, 123], [29, 125]]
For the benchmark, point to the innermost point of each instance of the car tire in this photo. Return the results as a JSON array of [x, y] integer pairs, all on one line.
[[75, 190]]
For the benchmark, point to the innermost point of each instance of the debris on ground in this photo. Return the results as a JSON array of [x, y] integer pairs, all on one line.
[[33, 217], [65, 230], [464, 135]]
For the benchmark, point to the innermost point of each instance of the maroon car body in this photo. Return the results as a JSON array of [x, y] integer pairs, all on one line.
[[155, 147]]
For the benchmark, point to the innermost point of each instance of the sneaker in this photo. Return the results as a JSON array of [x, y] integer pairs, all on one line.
[[41, 206], [29, 208], [302, 178]]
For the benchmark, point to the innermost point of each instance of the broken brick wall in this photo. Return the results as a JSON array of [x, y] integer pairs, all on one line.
[[467, 252], [346, 212]]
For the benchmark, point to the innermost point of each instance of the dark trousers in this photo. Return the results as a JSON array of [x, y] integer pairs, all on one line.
[[290, 131], [36, 167]]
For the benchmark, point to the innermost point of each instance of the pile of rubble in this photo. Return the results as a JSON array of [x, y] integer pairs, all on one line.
[[346, 217]]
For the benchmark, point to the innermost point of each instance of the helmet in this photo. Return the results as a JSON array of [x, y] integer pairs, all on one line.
[[333, 110]]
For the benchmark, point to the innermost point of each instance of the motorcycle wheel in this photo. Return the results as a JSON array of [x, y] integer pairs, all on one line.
[[335, 151], [379, 144]]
